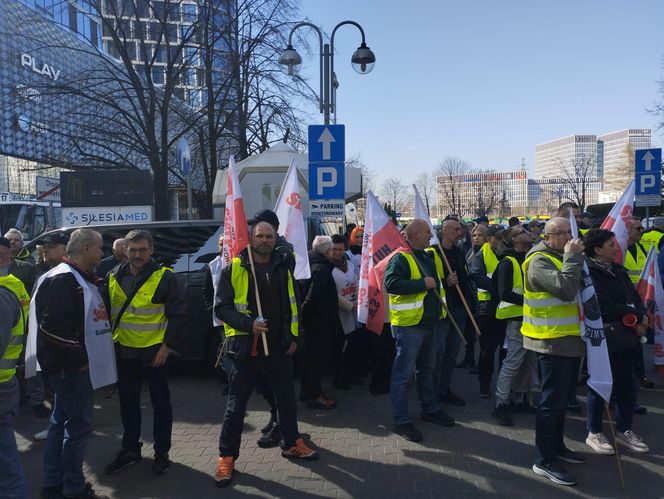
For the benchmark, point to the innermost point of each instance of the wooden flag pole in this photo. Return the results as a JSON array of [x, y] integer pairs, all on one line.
[[442, 302], [458, 288], [258, 304], [615, 445]]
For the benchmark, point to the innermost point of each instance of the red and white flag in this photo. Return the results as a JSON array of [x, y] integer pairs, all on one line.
[[651, 291], [291, 221], [236, 232], [422, 213], [619, 219], [381, 240]]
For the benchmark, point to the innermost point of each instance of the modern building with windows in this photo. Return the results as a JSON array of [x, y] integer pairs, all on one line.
[[616, 157], [567, 154]]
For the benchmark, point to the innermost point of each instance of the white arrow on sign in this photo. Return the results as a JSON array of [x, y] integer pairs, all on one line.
[[647, 159], [326, 138]]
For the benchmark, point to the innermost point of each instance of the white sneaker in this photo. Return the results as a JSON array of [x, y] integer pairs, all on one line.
[[41, 435], [599, 443], [632, 441]]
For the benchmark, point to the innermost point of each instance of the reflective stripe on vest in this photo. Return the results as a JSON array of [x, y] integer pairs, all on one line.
[[651, 238], [490, 263], [544, 315], [407, 310], [507, 310], [143, 323], [634, 267], [440, 270], [240, 283], [14, 348]]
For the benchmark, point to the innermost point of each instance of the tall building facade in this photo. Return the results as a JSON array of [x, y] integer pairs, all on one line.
[[617, 156], [566, 153]]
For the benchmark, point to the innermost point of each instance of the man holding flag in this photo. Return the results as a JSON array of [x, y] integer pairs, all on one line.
[[551, 327], [413, 288]]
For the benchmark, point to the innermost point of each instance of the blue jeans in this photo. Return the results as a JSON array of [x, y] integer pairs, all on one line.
[[556, 372], [415, 347], [448, 343], [12, 478], [624, 389], [69, 432]]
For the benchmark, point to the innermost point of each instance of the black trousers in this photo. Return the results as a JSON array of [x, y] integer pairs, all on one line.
[[381, 358], [278, 369], [493, 336], [317, 344], [130, 374]]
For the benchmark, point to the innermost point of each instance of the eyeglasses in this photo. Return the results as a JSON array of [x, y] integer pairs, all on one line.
[[561, 233]]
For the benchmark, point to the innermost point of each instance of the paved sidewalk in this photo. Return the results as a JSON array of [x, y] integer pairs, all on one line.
[[360, 456]]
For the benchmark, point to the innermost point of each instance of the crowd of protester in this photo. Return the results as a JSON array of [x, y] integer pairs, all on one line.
[[522, 335]]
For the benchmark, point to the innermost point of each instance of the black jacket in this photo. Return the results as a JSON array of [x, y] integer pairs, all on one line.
[[614, 292], [61, 320], [457, 260], [225, 307], [167, 292], [24, 272], [320, 304], [502, 278]]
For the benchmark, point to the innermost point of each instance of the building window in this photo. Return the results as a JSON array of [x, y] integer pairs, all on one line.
[[73, 24], [158, 75], [189, 13]]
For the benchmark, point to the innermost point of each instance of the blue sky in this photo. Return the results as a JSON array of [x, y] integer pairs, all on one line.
[[487, 80]]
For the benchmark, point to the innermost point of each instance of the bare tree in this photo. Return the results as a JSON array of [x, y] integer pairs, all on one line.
[[368, 175], [425, 183], [395, 193], [576, 176], [486, 196], [504, 209], [449, 178]]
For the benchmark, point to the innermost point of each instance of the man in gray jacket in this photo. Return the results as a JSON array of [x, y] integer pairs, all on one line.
[[551, 327]]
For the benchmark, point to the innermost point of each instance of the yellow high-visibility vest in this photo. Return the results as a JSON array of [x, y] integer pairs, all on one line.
[[507, 310], [14, 348], [490, 263], [544, 315], [407, 310], [634, 267], [651, 238], [440, 270], [143, 323], [240, 283]]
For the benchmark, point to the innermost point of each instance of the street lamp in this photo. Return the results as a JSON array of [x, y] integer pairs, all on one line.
[[363, 61]]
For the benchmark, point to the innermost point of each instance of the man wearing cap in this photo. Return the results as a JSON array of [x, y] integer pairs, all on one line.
[[283, 247], [55, 249], [535, 228], [18, 251], [482, 268]]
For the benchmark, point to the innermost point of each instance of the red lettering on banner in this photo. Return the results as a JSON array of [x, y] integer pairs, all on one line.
[[626, 214], [294, 200], [100, 314], [659, 350]]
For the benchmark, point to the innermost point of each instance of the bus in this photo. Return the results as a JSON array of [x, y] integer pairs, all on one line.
[[29, 216]]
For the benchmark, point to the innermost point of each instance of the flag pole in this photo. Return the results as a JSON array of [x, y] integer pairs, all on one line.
[[615, 445], [440, 299], [258, 304], [458, 288]]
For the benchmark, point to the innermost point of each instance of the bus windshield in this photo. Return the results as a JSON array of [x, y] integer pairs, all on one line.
[[27, 218]]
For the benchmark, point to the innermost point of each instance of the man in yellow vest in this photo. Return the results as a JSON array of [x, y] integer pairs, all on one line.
[[411, 282], [147, 313], [482, 268], [514, 373], [237, 305], [12, 328], [551, 328], [655, 235]]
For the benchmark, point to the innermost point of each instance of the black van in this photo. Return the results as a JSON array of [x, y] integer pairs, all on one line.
[[186, 247]]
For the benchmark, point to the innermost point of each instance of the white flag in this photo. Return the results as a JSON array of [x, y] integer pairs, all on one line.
[[651, 291], [618, 220], [236, 232], [291, 221], [592, 331], [421, 212]]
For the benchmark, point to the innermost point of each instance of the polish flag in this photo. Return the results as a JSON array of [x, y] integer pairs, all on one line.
[[291, 221], [618, 220], [381, 240], [421, 212], [651, 291], [236, 232]]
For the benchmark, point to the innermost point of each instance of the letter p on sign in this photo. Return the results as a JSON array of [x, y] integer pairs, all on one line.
[[647, 181], [327, 178]]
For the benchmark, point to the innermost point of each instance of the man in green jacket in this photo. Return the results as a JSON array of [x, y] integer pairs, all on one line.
[[411, 282]]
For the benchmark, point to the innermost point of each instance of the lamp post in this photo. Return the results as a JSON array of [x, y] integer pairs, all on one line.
[[363, 61]]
